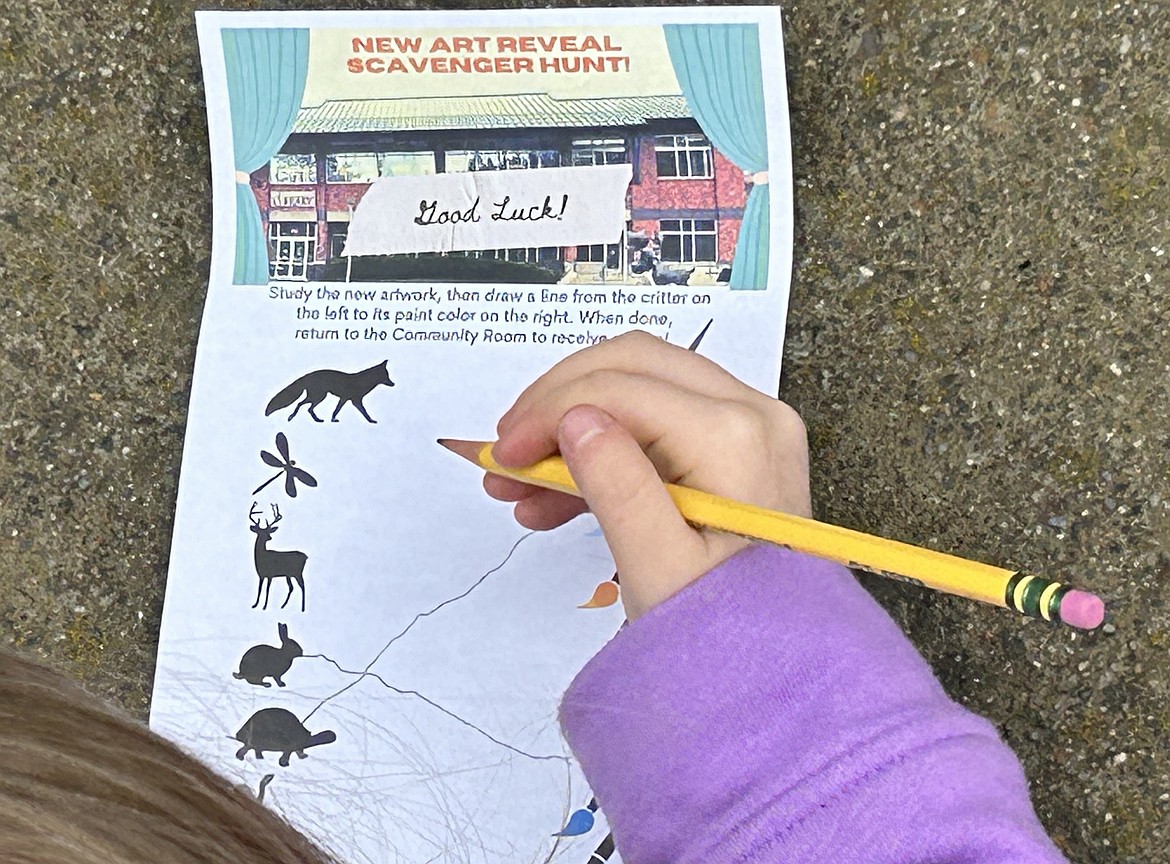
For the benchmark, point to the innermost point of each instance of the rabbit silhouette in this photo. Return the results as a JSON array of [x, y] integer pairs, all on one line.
[[265, 661]]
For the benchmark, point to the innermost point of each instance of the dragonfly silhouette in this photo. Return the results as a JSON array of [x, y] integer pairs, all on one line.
[[288, 468]]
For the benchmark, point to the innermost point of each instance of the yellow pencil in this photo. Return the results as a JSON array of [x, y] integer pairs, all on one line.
[[1030, 595]]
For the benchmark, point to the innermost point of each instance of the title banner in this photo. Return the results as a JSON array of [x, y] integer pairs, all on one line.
[[491, 210]]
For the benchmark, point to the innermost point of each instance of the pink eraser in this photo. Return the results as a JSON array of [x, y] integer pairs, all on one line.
[[1082, 609]]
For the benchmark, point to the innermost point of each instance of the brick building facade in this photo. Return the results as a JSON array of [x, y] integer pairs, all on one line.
[[686, 199]]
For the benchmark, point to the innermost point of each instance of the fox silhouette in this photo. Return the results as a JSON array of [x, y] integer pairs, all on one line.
[[346, 386]]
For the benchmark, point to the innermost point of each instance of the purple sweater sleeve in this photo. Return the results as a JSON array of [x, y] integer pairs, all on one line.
[[772, 711]]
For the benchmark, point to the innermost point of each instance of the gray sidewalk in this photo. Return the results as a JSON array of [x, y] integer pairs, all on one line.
[[978, 341]]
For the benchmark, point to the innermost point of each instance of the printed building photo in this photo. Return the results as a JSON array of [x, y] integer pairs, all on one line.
[[321, 117], [684, 205]]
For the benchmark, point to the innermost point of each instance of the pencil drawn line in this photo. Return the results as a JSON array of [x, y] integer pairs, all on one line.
[[415, 620], [438, 707], [552, 853]]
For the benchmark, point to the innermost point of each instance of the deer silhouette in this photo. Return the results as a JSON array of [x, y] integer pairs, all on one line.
[[271, 564]]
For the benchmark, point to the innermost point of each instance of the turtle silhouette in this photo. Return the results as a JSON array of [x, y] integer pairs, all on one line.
[[277, 730]]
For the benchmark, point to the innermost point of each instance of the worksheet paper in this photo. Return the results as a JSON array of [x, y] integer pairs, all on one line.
[[415, 214]]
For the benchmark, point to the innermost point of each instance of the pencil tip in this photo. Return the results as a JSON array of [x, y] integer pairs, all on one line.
[[469, 450]]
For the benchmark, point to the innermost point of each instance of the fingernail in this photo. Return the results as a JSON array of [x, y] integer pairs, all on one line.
[[492, 454], [580, 424], [503, 423], [502, 452]]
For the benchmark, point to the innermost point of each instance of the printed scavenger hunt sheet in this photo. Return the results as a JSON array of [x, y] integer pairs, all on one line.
[[416, 213]]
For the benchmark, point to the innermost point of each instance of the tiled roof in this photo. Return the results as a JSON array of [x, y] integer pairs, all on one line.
[[521, 111]]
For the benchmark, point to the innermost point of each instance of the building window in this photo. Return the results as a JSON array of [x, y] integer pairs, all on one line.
[[338, 233], [683, 156], [461, 161], [608, 254], [293, 246], [687, 240], [545, 255], [351, 168], [406, 164], [599, 151], [293, 169], [368, 167]]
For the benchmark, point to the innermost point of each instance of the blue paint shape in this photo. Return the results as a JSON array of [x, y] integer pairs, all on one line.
[[579, 823]]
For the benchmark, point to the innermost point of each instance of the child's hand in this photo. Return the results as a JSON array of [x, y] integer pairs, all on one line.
[[627, 414]]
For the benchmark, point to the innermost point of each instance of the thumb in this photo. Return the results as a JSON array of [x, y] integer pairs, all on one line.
[[652, 544]]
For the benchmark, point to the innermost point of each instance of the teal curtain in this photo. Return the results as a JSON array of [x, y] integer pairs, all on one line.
[[718, 69], [266, 72]]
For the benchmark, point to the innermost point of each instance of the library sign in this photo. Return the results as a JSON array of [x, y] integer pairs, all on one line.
[[292, 199]]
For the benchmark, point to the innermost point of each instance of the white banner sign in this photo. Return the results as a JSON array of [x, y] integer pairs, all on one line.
[[491, 210]]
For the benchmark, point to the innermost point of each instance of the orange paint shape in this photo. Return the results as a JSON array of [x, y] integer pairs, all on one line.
[[605, 594]]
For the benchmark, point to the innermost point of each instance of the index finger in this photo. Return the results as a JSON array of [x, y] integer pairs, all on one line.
[[633, 352]]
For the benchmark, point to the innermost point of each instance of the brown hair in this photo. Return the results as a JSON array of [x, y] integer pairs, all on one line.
[[81, 783]]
